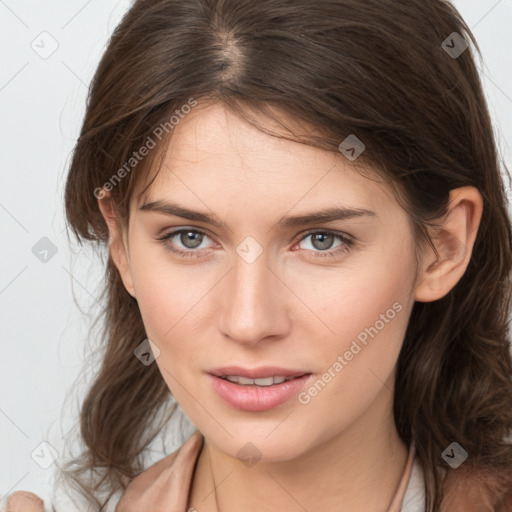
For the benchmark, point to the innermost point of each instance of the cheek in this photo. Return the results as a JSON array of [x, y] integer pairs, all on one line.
[[361, 315], [344, 302], [364, 337], [359, 360], [161, 293], [167, 302], [170, 296]]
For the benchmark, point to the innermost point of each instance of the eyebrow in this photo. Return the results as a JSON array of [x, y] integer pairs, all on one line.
[[326, 215]]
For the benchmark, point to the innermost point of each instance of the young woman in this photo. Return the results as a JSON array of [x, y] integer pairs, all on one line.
[[309, 250]]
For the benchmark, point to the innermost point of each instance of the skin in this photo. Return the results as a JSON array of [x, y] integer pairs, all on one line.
[[290, 307]]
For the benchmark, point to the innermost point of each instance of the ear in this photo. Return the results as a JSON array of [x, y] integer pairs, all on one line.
[[118, 246], [454, 241]]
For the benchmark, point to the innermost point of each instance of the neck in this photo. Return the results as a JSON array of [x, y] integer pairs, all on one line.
[[356, 470]]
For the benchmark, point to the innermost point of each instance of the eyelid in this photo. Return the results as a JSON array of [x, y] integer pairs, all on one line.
[[347, 241], [175, 230], [167, 235], [341, 234]]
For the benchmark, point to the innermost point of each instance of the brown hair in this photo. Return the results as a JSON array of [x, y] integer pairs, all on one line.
[[377, 69]]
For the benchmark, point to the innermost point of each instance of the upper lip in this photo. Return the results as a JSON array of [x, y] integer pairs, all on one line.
[[257, 373]]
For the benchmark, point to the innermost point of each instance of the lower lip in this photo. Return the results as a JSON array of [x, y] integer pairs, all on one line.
[[257, 398]]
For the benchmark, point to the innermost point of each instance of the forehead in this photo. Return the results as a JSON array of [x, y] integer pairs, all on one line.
[[215, 157]]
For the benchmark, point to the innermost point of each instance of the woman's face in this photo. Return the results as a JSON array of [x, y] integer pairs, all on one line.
[[327, 298]]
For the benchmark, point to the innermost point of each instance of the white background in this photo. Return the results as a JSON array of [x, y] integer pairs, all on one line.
[[42, 102]]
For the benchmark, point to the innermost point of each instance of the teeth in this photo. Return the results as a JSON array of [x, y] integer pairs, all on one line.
[[267, 381]]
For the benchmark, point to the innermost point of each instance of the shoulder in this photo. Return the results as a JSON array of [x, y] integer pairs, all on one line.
[[25, 501], [474, 489], [166, 481]]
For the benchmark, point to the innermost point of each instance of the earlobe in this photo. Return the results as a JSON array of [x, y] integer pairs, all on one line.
[[454, 241], [116, 243]]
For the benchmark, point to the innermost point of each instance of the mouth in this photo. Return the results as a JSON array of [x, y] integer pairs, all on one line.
[[258, 393], [261, 382], [262, 372]]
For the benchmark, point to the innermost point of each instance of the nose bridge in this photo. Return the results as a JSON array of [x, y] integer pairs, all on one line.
[[251, 308]]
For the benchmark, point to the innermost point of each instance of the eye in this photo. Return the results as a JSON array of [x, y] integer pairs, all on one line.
[[190, 238], [322, 240]]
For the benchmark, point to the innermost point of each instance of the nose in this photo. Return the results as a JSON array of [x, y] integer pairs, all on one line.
[[253, 302]]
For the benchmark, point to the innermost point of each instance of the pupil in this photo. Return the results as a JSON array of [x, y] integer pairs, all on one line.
[[189, 237], [323, 245]]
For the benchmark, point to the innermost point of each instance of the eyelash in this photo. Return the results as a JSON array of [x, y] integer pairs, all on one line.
[[345, 247]]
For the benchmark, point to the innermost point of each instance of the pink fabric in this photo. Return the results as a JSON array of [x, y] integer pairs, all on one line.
[[396, 504]]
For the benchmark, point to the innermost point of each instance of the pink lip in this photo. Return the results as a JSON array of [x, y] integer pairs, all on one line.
[[257, 373], [257, 398]]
